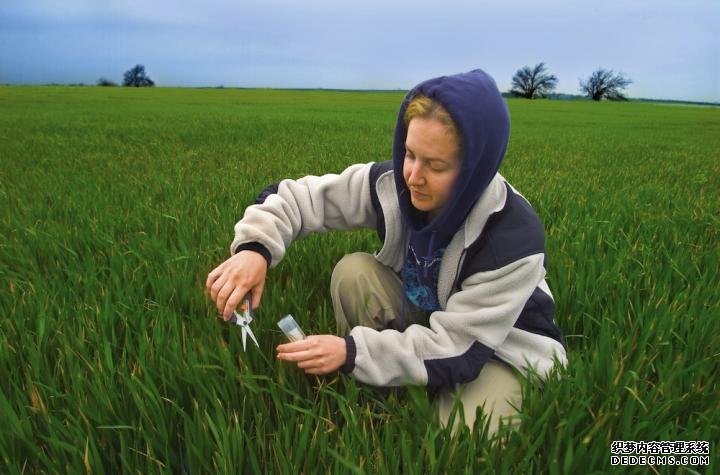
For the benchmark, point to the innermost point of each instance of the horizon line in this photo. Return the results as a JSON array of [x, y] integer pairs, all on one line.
[[505, 94]]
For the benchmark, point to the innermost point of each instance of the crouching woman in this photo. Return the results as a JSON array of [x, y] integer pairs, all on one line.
[[456, 298]]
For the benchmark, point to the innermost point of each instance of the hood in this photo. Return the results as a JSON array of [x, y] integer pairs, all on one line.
[[474, 102]]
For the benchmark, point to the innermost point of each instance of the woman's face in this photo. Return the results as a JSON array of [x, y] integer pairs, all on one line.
[[432, 163]]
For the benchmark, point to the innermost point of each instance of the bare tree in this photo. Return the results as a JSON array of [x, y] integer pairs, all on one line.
[[605, 83], [136, 77], [533, 82]]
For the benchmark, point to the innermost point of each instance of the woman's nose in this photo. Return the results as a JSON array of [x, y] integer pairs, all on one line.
[[416, 176]]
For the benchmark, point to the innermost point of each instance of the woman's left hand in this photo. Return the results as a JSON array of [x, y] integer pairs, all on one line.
[[316, 354]]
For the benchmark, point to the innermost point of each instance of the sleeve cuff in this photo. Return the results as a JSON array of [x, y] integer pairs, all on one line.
[[349, 365], [256, 247]]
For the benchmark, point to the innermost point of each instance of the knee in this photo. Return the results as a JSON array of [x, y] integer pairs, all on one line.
[[496, 395], [348, 268]]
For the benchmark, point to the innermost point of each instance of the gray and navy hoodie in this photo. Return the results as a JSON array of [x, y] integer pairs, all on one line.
[[481, 260]]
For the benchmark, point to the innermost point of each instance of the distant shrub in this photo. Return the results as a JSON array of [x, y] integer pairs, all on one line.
[[105, 82]]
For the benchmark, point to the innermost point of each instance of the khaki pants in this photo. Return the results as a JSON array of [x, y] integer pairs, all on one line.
[[367, 293]]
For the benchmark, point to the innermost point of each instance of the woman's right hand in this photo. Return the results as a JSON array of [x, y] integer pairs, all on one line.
[[229, 282]]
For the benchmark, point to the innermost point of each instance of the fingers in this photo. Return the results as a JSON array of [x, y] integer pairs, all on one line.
[[319, 371], [217, 285], [232, 302], [212, 277], [317, 354], [294, 346], [311, 361], [229, 282], [257, 292], [315, 363], [298, 356], [318, 366], [222, 296], [226, 293], [298, 350]]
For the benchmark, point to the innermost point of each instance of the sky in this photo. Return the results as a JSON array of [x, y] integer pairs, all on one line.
[[669, 49]]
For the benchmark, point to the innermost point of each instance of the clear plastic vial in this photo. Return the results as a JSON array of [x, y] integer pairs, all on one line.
[[290, 328]]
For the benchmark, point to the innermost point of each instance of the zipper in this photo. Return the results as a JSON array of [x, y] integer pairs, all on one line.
[[428, 255]]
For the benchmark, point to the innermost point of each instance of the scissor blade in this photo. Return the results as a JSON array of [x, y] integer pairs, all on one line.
[[244, 338], [252, 335]]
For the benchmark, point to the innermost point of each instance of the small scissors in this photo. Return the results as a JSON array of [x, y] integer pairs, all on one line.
[[243, 321]]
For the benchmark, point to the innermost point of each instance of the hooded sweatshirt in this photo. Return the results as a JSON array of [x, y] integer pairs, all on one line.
[[473, 101]]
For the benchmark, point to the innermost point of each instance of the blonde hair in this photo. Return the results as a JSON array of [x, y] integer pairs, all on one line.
[[421, 106]]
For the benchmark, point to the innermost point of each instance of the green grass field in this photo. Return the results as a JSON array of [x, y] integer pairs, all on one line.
[[115, 204]]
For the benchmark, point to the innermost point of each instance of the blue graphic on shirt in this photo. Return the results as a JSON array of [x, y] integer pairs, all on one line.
[[420, 278]]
